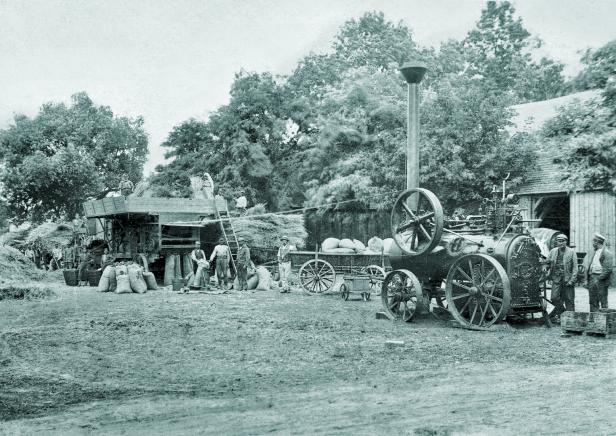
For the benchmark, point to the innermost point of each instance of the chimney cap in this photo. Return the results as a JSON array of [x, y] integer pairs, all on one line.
[[413, 71]]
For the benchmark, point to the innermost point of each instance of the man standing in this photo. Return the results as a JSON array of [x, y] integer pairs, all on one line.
[[598, 273], [126, 186], [562, 264], [284, 264], [196, 255], [222, 254], [243, 261]]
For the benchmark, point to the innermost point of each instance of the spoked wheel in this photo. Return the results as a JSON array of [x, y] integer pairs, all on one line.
[[478, 291], [417, 221], [317, 276], [377, 275], [401, 294], [344, 292]]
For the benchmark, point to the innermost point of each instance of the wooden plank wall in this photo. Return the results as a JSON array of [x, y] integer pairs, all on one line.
[[592, 212]]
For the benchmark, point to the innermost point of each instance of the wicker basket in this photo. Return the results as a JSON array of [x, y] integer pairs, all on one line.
[[94, 276], [70, 276]]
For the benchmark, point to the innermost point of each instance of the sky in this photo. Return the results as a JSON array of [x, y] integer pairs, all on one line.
[[171, 60]]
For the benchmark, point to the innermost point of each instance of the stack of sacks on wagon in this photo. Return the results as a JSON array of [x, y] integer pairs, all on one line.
[[126, 278], [375, 245]]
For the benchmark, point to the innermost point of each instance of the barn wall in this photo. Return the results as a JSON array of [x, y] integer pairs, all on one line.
[[525, 205], [592, 212]]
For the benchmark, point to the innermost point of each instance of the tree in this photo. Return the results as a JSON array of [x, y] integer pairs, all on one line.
[[500, 50], [600, 67], [54, 161]]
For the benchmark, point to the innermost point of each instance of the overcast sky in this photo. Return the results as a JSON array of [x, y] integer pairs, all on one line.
[[170, 60]]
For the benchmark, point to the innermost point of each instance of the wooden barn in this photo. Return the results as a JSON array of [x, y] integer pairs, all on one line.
[[544, 197]]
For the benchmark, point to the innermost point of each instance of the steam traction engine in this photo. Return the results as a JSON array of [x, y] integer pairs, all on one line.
[[490, 266]]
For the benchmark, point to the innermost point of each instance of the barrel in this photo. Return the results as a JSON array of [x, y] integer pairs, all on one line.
[[94, 276], [70, 276]]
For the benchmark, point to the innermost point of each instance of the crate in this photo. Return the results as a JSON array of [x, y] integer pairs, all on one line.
[[602, 322], [70, 277], [574, 321]]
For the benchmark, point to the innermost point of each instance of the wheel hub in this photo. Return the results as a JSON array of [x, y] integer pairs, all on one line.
[[475, 292]]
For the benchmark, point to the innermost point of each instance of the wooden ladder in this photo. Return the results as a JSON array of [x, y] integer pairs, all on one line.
[[228, 231]]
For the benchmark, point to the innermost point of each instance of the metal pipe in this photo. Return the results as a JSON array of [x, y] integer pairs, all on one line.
[[412, 140]]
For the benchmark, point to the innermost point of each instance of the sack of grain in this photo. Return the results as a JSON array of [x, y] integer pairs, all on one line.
[[103, 284], [359, 246], [330, 244], [150, 281], [265, 279], [123, 284], [387, 245], [346, 243], [375, 244], [135, 278]]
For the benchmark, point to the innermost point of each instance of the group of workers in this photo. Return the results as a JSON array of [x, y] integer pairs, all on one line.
[[563, 271], [221, 255]]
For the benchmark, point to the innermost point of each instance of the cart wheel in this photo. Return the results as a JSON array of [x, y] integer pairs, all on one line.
[[344, 292], [401, 294], [317, 276], [478, 291], [377, 275]]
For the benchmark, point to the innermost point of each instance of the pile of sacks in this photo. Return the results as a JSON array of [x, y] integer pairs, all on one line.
[[375, 245], [259, 279], [126, 278]]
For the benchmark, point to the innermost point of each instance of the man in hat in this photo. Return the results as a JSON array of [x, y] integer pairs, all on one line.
[[197, 254], [284, 264], [243, 261], [222, 254], [562, 264], [598, 273]]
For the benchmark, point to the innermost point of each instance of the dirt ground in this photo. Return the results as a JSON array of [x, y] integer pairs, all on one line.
[[83, 362]]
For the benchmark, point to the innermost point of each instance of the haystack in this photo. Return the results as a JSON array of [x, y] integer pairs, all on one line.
[[264, 231], [15, 266], [50, 235]]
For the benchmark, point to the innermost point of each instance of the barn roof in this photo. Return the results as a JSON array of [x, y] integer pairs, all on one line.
[[547, 176]]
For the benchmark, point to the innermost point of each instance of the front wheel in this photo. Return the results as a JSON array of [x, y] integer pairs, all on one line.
[[401, 294]]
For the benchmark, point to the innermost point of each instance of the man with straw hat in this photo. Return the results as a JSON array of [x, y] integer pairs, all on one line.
[[243, 261], [222, 254], [284, 264], [598, 273], [562, 264]]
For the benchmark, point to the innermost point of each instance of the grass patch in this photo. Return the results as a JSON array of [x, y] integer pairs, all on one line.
[[24, 292]]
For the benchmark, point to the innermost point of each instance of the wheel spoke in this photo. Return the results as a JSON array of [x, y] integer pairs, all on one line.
[[466, 288], [464, 274], [460, 296], [474, 312], [493, 311], [425, 232], [465, 305], [425, 217], [470, 265], [409, 211], [493, 297], [485, 279]]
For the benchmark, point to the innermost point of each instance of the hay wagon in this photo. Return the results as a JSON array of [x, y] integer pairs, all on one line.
[[317, 271]]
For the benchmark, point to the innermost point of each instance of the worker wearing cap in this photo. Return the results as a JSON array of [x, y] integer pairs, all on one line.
[[243, 261], [284, 264], [598, 273], [563, 269], [196, 255], [222, 254]]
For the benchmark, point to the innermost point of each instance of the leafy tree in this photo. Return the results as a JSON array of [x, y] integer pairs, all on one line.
[[500, 50], [54, 161], [600, 67]]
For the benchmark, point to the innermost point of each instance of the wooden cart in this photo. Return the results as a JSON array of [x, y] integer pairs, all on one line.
[[317, 271]]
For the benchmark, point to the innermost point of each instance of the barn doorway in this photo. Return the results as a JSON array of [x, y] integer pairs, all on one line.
[[553, 213]]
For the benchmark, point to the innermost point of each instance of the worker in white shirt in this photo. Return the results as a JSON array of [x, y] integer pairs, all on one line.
[[222, 254], [284, 264], [197, 254], [598, 273]]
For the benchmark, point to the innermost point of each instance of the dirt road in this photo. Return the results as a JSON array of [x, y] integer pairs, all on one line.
[[256, 363]]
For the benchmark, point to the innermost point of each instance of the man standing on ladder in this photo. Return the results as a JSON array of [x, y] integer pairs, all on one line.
[[222, 254]]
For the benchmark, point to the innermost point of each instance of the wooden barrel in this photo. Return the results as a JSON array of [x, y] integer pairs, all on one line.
[[70, 276], [94, 276]]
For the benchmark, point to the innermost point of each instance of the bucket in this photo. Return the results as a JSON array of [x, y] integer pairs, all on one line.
[[70, 276], [94, 276], [177, 284]]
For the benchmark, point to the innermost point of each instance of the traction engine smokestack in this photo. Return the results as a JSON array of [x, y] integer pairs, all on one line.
[[413, 73]]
